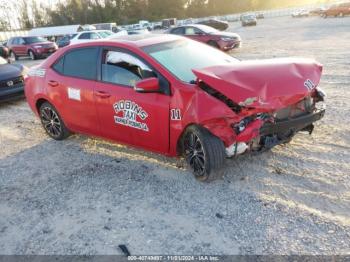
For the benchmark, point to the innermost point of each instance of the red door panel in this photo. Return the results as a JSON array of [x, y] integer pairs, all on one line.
[[74, 99], [138, 119]]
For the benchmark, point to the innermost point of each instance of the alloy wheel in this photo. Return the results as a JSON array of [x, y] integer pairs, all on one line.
[[195, 155], [51, 122]]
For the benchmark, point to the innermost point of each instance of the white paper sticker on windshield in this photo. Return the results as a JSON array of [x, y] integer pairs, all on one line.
[[73, 94]]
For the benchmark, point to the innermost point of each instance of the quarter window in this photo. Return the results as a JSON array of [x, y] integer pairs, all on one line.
[[124, 69]]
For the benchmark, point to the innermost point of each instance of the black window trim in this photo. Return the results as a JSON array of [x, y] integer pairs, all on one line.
[[71, 50], [167, 89]]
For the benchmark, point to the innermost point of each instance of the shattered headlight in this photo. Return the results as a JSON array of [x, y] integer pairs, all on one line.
[[320, 94], [241, 126]]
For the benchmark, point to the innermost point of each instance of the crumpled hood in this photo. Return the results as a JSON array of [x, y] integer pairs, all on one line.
[[265, 84]]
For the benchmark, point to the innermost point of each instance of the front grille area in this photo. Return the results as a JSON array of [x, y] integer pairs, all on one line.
[[18, 81], [305, 106]]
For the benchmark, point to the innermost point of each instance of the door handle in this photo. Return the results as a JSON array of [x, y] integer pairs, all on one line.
[[53, 83], [102, 94]]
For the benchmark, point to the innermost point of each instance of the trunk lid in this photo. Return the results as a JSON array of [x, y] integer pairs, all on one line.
[[265, 84]]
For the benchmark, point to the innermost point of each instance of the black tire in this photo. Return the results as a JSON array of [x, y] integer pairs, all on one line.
[[213, 44], [204, 153], [13, 55], [52, 122], [32, 55]]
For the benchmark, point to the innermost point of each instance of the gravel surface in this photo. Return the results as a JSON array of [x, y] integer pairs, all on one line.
[[87, 196]]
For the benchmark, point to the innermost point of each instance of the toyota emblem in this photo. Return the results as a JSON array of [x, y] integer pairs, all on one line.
[[10, 83]]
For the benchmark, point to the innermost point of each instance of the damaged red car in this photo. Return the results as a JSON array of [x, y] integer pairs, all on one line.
[[175, 96]]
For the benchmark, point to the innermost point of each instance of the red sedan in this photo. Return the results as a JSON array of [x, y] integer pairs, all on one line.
[[175, 96], [224, 41]]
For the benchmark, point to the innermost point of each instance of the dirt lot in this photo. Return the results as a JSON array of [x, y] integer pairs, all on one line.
[[87, 196]]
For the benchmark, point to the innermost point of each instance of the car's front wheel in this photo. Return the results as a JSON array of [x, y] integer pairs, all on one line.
[[13, 56], [32, 55], [204, 153], [52, 122]]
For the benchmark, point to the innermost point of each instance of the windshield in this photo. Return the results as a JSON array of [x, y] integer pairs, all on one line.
[[2, 61], [181, 56], [249, 17], [33, 40]]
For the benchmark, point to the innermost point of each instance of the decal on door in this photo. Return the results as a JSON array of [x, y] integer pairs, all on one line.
[[175, 114], [130, 114], [73, 94]]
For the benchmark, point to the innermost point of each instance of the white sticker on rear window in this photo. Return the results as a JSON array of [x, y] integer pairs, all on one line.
[[73, 93]]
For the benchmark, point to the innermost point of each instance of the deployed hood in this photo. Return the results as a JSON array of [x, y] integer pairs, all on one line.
[[8, 71], [268, 84]]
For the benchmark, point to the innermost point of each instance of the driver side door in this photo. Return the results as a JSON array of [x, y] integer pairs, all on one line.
[[195, 34], [138, 119]]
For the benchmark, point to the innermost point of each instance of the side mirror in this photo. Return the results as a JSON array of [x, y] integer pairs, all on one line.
[[149, 85]]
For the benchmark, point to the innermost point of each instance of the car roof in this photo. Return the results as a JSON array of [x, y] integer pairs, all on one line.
[[144, 39]]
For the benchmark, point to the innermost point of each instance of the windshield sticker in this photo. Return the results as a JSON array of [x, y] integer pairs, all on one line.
[[130, 114], [37, 72]]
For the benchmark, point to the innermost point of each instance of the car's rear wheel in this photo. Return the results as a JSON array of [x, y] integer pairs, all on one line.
[[204, 153], [52, 122], [32, 55], [13, 56]]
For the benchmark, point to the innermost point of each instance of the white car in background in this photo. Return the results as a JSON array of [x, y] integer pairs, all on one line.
[[86, 36]]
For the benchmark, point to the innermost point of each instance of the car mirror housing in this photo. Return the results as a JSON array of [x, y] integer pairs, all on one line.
[[149, 85]]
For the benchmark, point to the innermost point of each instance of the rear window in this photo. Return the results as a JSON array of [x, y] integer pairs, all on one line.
[[79, 63]]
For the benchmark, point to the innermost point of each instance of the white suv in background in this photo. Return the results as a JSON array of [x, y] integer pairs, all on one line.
[[86, 36]]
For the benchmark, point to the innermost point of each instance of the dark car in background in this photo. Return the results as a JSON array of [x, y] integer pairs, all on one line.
[[222, 40], [64, 41], [11, 80], [32, 46], [248, 19], [4, 51], [217, 24]]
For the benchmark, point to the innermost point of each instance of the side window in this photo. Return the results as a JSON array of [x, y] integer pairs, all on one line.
[[192, 31], [178, 31], [81, 63], [94, 36], [21, 41], [123, 69], [84, 36], [15, 41]]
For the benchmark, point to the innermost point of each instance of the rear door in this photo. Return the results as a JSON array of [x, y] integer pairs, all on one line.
[[70, 84], [21, 47], [139, 119]]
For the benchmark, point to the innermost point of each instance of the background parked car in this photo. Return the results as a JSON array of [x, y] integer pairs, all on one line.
[[337, 10], [217, 24], [167, 23], [32, 46], [211, 36], [4, 51], [249, 19], [260, 16], [300, 13], [11, 80], [86, 36], [65, 40], [138, 32], [317, 11]]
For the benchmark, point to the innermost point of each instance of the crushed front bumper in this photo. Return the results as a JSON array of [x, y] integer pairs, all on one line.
[[292, 125]]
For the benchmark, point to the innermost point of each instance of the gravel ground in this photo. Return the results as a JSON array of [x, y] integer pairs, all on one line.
[[87, 196]]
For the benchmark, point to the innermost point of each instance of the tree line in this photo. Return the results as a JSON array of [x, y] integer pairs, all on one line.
[[31, 14]]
